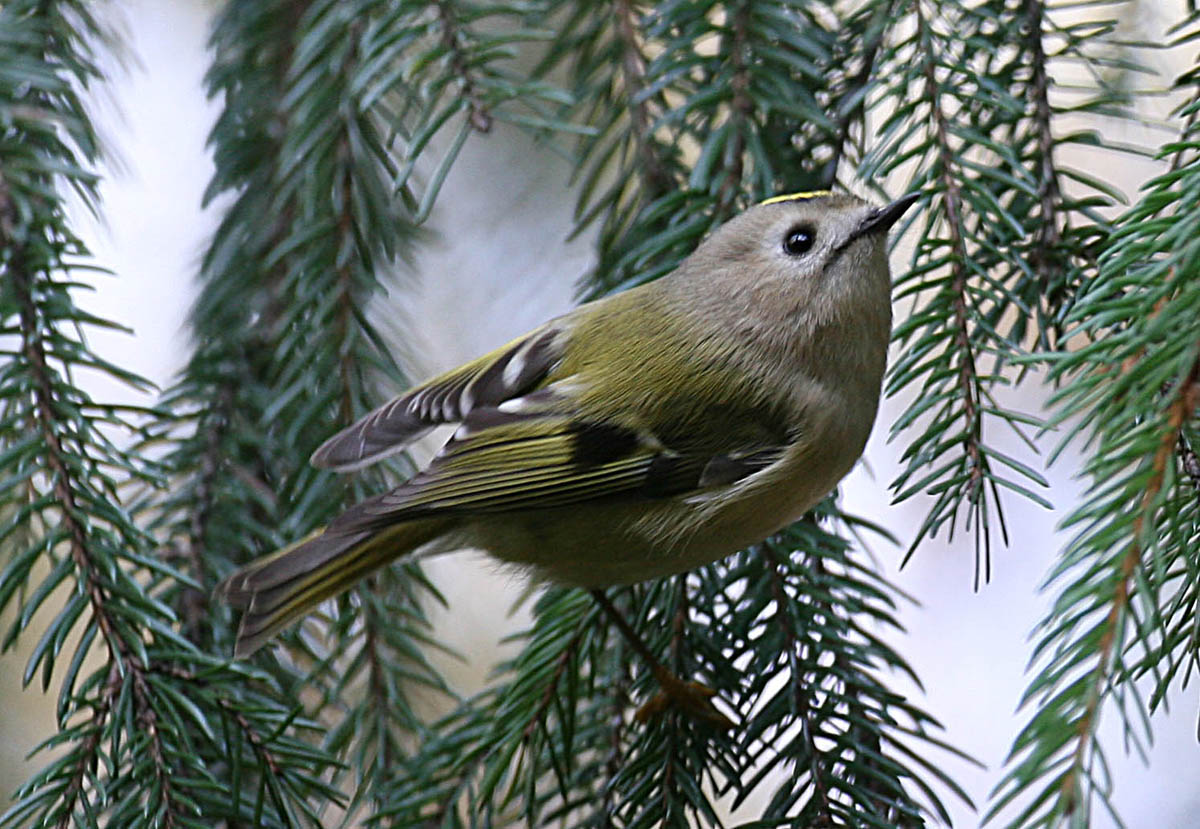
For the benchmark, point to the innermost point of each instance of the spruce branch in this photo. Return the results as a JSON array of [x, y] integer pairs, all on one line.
[[801, 694], [830, 740], [87, 756], [1127, 586], [329, 366], [734, 45], [870, 27], [193, 601], [974, 471], [617, 739], [452, 80], [217, 455], [329, 107], [1003, 250], [286, 351], [452, 39], [1182, 407], [71, 514], [656, 180], [1049, 236], [1078, 706]]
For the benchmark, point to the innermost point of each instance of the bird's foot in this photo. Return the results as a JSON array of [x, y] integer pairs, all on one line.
[[692, 698]]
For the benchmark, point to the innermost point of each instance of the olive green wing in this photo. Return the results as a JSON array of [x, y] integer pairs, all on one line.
[[507, 372], [524, 457]]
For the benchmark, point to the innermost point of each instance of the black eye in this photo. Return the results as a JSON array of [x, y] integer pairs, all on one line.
[[799, 240]]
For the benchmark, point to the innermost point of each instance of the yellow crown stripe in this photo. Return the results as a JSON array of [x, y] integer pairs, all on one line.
[[813, 194]]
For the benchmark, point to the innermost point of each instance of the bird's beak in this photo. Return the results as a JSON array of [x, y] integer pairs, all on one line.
[[882, 218]]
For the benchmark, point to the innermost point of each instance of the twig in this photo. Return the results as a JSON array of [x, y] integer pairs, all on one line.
[[741, 108], [968, 378], [547, 699], [120, 656], [655, 179], [451, 37], [1049, 192], [1181, 410], [854, 91]]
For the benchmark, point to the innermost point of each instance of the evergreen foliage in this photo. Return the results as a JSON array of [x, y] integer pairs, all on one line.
[[339, 121]]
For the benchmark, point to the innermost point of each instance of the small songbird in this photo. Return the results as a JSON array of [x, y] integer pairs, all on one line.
[[637, 436]]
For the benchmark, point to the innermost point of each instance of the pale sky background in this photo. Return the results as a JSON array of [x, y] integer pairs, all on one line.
[[501, 265]]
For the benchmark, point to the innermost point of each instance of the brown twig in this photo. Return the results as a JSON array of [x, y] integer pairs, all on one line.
[[968, 378], [854, 91], [376, 675], [1049, 192], [451, 36], [655, 179], [122, 660], [1182, 409], [193, 602], [740, 109], [547, 699]]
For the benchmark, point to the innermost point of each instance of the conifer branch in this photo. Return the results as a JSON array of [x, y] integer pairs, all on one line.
[[329, 106], [801, 698], [1127, 594], [345, 300], [538, 714], [1049, 235], [964, 355], [124, 665], [655, 178], [741, 107], [616, 757], [377, 684], [1183, 406], [192, 601], [89, 747], [451, 39], [851, 104]]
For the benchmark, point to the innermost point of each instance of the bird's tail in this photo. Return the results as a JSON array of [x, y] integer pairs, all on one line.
[[279, 588]]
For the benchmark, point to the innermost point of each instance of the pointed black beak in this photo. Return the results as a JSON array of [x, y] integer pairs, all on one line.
[[879, 220]]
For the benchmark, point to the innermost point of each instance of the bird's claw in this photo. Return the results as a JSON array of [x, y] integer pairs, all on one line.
[[692, 698]]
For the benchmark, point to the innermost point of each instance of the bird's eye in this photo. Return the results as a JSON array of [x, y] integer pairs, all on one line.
[[799, 240]]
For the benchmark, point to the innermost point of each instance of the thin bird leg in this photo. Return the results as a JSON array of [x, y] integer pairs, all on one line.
[[691, 697]]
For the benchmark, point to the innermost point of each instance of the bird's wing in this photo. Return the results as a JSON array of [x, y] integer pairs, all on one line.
[[524, 456], [507, 372]]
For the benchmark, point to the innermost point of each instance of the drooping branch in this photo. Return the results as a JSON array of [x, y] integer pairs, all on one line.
[[741, 110], [193, 602], [1049, 234], [655, 178], [855, 91], [451, 39], [125, 666], [966, 373], [1183, 406]]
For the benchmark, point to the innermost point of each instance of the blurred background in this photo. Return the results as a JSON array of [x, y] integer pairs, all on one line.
[[498, 263]]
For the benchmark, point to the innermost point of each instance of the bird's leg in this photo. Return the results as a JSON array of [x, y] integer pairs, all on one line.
[[691, 697]]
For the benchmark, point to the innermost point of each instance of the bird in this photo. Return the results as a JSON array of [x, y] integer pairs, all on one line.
[[637, 436]]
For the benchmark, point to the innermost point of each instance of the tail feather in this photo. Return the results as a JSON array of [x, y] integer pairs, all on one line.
[[280, 588]]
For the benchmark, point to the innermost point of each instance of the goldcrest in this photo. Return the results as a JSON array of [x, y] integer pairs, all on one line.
[[644, 434]]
